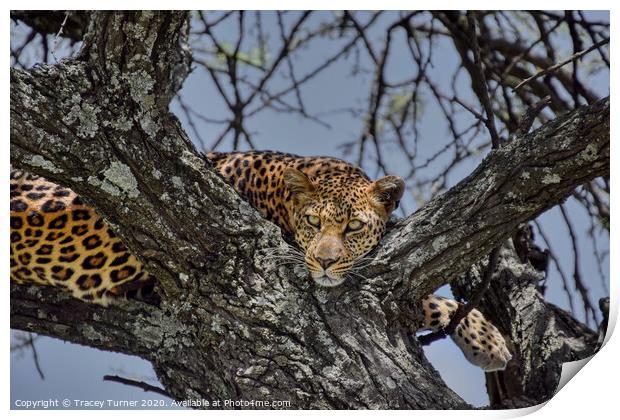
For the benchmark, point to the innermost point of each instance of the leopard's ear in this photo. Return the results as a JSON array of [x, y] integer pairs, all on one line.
[[387, 192], [298, 184]]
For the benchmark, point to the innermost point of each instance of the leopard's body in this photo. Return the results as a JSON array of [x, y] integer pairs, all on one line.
[[333, 210], [57, 240]]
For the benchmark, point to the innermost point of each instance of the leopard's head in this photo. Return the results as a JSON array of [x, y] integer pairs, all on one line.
[[339, 219]]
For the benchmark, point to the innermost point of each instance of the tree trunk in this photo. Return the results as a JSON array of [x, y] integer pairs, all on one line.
[[232, 323]]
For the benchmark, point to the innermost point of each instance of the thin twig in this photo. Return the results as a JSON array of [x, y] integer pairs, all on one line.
[[558, 267], [579, 286], [553, 68], [593, 38], [62, 26], [27, 340], [479, 79], [35, 355], [143, 385]]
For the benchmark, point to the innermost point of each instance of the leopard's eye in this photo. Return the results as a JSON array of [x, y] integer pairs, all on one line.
[[313, 220], [354, 225]]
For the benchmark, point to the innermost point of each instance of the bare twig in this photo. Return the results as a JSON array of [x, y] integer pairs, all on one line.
[[562, 63], [592, 35], [35, 355], [143, 385], [480, 83], [27, 340], [588, 308], [558, 267], [62, 26]]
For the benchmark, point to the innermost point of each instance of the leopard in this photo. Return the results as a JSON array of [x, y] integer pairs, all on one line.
[[333, 211]]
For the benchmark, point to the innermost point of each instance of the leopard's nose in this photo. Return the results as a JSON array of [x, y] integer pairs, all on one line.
[[325, 262]]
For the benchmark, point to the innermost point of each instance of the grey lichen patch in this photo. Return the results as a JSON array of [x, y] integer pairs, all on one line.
[[86, 114], [93, 335], [300, 271], [192, 394], [110, 188], [140, 32], [41, 162], [140, 88], [120, 175], [149, 126], [141, 91], [439, 243], [183, 277], [123, 124], [163, 332], [118, 180], [149, 334], [177, 182], [257, 282], [191, 160], [254, 370], [417, 257], [248, 212], [590, 153], [551, 179], [27, 96], [217, 324], [390, 383]]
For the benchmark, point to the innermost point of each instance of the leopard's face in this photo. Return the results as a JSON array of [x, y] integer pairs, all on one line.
[[338, 222]]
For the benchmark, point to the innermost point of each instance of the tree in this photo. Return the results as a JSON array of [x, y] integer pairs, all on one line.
[[232, 323]]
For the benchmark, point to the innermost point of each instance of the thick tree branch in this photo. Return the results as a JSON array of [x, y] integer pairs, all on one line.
[[512, 185], [311, 352], [133, 328]]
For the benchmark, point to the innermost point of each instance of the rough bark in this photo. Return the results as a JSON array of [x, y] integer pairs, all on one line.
[[232, 323]]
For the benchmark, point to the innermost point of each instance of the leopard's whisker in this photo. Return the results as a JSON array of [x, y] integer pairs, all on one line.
[[355, 274], [363, 264], [288, 248], [273, 256]]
